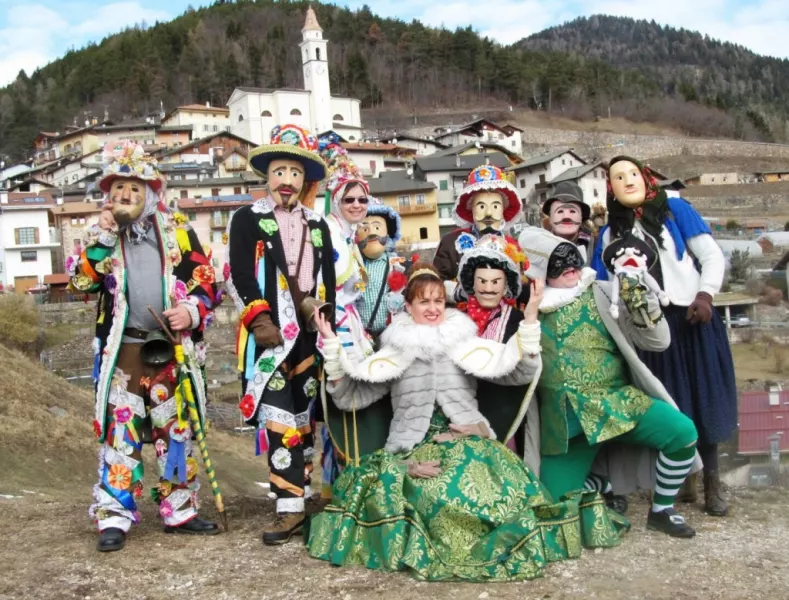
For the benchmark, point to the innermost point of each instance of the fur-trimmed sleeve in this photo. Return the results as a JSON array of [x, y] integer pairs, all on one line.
[[349, 392]]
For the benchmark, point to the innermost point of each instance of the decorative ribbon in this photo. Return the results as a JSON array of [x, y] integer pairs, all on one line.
[[261, 441], [176, 459]]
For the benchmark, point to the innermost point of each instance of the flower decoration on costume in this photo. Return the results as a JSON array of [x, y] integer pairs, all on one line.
[[487, 178], [123, 414], [159, 393], [191, 468], [160, 447], [281, 459], [283, 282], [166, 509], [267, 364], [269, 226], [226, 271], [290, 331], [128, 159], [317, 238], [247, 406], [464, 242], [204, 274], [175, 257], [71, 265], [96, 428], [322, 292], [110, 284], [119, 477], [277, 382], [179, 291], [311, 388], [291, 438], [335, 254]]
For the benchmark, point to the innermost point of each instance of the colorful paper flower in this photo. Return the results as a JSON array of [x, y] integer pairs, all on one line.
[[283, 282], [336, 255], [204, 274], [110, 284], [175, 257], [137, 490], [291, 438], [317, 238], [322, 292], [160, 447], [191, 468], [311, 388], [225, 238], [290, 331], [123, 414], [179, 291], [266, 364], [165, 488], [159, 393], [269, 226], [96, 428], [464, 242], [281, 459], [166, 509], [277, 382], [119, 477], [247, 406], [226, 271]]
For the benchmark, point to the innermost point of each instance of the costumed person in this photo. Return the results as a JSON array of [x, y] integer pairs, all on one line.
[[594, 389], [490, 279], [566, 213], [441, 497], [280, 266], [376, 237], [349, 194], [486, 205], [140, 256], [697, 369]]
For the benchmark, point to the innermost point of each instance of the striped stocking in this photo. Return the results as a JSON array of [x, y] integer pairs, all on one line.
[[672, 469], [596, 483]]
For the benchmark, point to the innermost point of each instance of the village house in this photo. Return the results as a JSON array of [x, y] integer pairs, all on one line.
[[206, 150], [45, 148], [713, 179], [764, 432], [255, 111], [201, 120], [27, 240], [774, 241], [422, 146], [449, 174], [168, 137], [772, 176], [371, 157], [71, 220], [67, 171], [187, 171], [143, 132], [212, 187], [415, 201], [532, 177], [482, 130], [77, 141], [209, 218], [590, 178], [234, 162], [478, 147]]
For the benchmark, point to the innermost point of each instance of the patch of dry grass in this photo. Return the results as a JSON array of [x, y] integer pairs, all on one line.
[[19, 321]]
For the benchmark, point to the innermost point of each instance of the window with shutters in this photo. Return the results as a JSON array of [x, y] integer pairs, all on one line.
[[237, 190], [26, 235]]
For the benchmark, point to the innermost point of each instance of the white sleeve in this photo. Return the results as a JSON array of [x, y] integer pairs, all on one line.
[[713, 264]]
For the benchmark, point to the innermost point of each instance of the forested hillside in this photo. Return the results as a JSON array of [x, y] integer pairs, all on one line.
[[204, 54]]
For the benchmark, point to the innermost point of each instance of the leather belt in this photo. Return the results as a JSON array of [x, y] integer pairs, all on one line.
[[139, 334]]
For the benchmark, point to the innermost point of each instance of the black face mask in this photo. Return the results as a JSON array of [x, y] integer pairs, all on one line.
[[565, 256]]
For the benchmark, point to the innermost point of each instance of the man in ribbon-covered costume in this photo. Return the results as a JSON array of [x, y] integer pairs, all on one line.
[[594, 390], [141, 255], [280, 264], [567, 212], [697, 369], [349, 194], [487, 204]]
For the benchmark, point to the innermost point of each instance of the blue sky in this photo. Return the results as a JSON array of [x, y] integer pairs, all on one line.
[[37, 32]]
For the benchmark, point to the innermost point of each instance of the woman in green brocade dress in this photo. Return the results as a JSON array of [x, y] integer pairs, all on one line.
[[444, 499]]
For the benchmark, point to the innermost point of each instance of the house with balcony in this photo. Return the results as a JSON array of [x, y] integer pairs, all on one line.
[[27, 240], [212, 187], [481, 130], [234, 162], [478, 147], [78, 141], [45, 147], [142, 132], [371, 157], [183, 171], [209, 218], [201, 120], [422, 146], [532, 177], [415, 201], [590, 178], [71, 216], [209, 149], [168, 137], [449, 174]]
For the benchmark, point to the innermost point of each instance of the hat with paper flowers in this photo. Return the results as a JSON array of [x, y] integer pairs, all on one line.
[[493, 252], [128, 160], [487, 178], [342, 170], [289, 142]]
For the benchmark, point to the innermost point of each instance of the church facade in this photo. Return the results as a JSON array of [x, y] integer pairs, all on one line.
[[255, 111]]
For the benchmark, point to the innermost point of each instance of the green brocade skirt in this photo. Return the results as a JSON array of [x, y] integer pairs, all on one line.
[[485, 518]]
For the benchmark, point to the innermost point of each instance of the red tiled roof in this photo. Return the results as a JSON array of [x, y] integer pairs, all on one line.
[[759, 421]]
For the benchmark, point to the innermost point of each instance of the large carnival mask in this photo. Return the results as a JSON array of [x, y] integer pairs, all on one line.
[[127, 199], [285, 181], [490, 285], [566, 219], [488, 211], [372, 236], [627, 183]]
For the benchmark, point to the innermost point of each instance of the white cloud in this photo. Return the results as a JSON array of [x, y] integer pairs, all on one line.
[[34, 35]]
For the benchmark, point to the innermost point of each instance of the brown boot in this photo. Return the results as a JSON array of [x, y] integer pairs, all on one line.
[[689, 493], [284, 527], [714, 503]]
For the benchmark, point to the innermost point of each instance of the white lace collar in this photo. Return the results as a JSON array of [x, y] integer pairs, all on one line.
[[555, 298]]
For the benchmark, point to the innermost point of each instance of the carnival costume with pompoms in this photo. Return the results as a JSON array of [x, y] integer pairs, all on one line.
[[277, 257], [697, 369], [131, 396]]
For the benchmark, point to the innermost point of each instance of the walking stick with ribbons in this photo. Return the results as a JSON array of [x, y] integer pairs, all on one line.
[[185, 383]]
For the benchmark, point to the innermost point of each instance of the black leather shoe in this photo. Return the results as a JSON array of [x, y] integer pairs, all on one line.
[[616, 503], [671, 522], [195, 527], [111, 539]]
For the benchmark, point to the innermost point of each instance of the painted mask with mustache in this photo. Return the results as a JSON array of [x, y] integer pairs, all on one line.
[[285, 181], [127, 200], [372, 236], [488, 211], [565, 219], [490, 285]]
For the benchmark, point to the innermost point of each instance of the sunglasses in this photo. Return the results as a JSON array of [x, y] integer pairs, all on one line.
[[351, 200]]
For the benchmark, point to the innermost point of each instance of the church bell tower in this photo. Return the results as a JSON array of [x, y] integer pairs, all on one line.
[[314, 59]]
